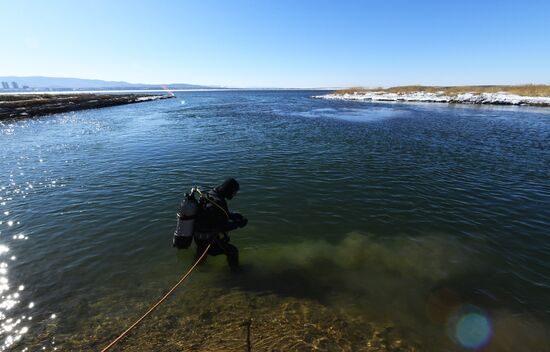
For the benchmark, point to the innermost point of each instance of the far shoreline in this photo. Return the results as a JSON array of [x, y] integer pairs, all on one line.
[[522, 95], [145, 91]]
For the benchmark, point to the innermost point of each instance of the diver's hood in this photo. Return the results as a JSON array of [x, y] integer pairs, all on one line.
[[228, 188]]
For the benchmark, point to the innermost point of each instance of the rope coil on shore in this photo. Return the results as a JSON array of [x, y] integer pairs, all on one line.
[[121, 336]]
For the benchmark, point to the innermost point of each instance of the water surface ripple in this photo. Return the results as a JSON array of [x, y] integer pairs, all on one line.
[[401, 215]]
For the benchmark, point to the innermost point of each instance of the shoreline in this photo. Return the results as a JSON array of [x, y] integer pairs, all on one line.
[[500, 98], [17, 106], [145, 91]]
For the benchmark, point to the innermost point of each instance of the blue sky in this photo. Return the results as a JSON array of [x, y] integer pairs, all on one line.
[[279, 43]]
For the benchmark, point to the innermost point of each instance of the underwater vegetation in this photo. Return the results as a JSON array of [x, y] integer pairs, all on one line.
[[361, 294]]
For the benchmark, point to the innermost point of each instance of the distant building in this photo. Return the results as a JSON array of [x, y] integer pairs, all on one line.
[[14, 85], [5, 85]]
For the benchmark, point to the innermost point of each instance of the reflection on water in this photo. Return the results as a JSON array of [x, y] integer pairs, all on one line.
[[13, 325], [373, 113], [14, 322], [373, 227], [17, 307]]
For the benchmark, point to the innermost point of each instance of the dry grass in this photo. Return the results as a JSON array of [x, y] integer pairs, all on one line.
[[536, 90]]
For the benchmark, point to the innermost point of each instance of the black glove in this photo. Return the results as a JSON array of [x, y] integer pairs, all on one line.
[[242, 222], [236, 216]]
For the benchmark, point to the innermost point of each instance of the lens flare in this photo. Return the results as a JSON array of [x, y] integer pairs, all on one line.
[[167, 89], [471, 328]]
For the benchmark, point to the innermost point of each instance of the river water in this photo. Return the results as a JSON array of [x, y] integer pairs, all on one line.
[[372, 226]]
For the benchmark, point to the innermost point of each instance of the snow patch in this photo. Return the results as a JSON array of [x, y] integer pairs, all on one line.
[[152, 97], [500, 98]]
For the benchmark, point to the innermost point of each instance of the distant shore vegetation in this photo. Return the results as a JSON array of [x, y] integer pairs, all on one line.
[[535, 90]]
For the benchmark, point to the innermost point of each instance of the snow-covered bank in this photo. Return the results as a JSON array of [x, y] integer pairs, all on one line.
[[465, 98]]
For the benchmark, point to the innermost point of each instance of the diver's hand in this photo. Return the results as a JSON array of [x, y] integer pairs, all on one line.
[[237, 216], [242, 222]]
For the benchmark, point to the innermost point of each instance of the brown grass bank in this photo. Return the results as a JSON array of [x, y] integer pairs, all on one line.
[[535, 90]]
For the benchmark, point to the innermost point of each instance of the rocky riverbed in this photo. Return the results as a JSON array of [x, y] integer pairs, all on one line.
[[31, 105], [227, 320]]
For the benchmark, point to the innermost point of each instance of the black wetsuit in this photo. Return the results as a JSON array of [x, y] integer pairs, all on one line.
[[214, 222]]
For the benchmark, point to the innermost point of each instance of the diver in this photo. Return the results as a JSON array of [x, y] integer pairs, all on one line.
[[214, 221]]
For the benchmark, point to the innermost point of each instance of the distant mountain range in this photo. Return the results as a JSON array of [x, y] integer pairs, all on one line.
[[62, 83]]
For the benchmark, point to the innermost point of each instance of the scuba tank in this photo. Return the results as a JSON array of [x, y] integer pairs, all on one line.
[[189, 209]]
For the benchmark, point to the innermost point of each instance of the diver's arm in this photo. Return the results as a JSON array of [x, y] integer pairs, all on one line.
[[235, 220], [229, 225], [227, 221]]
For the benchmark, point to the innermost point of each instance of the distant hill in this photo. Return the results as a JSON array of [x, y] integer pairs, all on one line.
[[62, 83]]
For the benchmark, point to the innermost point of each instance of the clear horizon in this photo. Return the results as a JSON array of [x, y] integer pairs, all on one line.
[[284, 44]]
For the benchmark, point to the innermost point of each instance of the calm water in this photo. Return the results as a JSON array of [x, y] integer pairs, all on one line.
[[370, 225]]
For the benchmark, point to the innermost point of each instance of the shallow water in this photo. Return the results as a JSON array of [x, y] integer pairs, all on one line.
[[373, 226]]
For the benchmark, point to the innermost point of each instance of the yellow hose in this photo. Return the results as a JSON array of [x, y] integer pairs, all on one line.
[[121, 336], [127, 331]]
